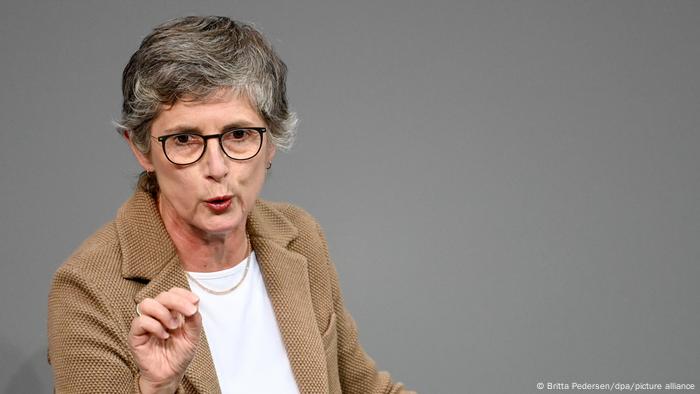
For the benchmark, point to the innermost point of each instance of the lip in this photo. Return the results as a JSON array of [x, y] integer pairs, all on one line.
[[219, 204]]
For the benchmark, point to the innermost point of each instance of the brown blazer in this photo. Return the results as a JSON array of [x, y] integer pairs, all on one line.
[[94, 294]]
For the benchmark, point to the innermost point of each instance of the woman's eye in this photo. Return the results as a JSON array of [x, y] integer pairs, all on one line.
[[183, 139], [238, 134]]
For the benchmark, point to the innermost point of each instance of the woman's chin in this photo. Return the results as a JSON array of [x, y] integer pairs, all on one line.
[[217, 231], [220, 227]]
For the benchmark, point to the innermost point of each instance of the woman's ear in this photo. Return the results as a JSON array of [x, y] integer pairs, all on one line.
[[143, 159]]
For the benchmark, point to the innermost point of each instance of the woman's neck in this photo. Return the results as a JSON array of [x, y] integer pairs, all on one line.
[[210, 255]]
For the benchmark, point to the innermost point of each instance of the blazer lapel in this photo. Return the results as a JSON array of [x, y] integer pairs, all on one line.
[[287, 283], [285, 273]]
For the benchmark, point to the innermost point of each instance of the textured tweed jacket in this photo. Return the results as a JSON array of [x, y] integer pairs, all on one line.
[[94, 294]]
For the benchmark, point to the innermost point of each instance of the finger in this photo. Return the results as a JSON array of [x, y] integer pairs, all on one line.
[[178, 317], [156, 310], [177, 302], [192, 326], [145, 326], [186, 293], [189, 295]]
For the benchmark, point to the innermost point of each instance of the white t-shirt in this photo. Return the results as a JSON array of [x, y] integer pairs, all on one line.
[[242, 332]]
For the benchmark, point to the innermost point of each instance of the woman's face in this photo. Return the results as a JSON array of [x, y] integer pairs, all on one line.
[[213, 196]]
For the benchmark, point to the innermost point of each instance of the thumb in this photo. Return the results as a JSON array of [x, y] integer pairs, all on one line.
[[192, 326]]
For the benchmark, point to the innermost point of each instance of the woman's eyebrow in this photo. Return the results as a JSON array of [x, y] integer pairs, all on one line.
[[183, 128], [237, 125]]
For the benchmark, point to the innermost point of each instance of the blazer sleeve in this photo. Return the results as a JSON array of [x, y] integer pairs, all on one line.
[[358, 372], [86, 348]]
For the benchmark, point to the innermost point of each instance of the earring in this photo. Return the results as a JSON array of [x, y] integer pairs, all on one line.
[[269, 165]]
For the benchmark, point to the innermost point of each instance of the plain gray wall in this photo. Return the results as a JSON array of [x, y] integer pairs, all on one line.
[[509, 189]]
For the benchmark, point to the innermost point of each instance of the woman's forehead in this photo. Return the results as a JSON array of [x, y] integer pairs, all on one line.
[[223, 109]]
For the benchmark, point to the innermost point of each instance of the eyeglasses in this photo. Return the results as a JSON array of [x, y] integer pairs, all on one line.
[[237, 144]]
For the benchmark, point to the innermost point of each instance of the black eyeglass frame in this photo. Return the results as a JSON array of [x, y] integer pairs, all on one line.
[[206, 139]]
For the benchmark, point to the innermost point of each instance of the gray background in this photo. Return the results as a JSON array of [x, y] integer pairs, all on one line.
[[509, 189]]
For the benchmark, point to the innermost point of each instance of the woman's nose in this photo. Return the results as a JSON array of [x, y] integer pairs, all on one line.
[[215, 160]]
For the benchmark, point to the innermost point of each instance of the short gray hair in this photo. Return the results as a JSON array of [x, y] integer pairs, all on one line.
[[193, 57]]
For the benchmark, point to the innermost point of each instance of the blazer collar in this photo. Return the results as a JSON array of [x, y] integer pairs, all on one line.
[[149, 255], [145, 244]]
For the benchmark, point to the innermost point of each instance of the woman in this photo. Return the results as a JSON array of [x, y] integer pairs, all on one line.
[[197, 286]]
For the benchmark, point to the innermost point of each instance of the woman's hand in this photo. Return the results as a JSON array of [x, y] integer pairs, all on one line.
[[164, 337]]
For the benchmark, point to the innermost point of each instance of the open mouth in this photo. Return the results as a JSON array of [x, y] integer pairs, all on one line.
[[219, 200], [219, 204]]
